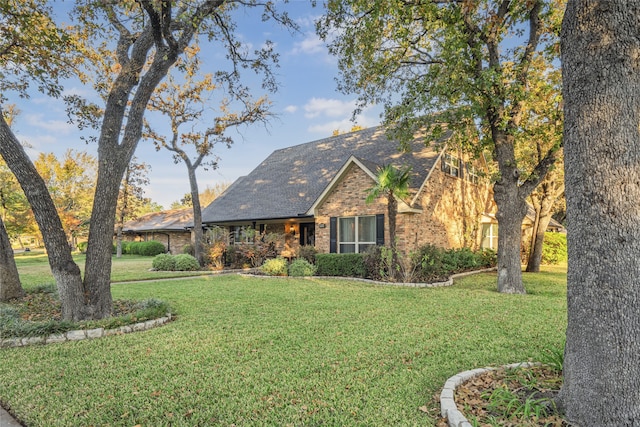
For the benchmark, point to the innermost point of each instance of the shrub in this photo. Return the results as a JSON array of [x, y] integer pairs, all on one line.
[[347, 265], [308, 253], [554, 248], [152, 248], [186, 262], [164, 262], [301, 267], [235, 258], [275, 267], [435, 263], [82, 247], [216, 254], [188, 249]]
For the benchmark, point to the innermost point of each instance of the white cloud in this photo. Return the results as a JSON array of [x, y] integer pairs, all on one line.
[[310, 45], [344, 125], [56, 127], [291, 109], [328, 107]]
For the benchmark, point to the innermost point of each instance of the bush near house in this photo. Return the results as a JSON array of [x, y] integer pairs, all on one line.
[[188, 249], [181, 262], [307, 252], [164, 262], [347, 265], [150, 248], [301, 268], [554, 248], [186, 262], [275, 267]]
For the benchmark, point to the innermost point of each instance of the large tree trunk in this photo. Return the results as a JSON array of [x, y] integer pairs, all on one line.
[[112, 166], [198, 235], [65, 271], [601, 86], [511, 211], [512, 208], [10, 286]]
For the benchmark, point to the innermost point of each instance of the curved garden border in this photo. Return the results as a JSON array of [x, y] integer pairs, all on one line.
[[448, 407], [84, 334], [447, 282]]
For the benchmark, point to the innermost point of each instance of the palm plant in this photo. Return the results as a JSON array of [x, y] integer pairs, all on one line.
[[394, 184]]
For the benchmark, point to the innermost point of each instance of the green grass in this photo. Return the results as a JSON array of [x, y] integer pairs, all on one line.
[[34, 269], [269, 351]]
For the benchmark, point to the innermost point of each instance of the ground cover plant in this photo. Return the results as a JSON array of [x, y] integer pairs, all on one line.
[[272, 351]]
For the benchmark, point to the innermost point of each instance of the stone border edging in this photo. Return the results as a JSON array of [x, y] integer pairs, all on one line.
[[83, 334], [448, 282], [448, 407]]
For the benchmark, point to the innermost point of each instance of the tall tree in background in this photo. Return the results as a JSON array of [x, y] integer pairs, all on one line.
[[130, 197], [186, 103], [541, 131], [150, 36], [471, 63], [210, 193], [601, 90], [70, 182], [543, 199]]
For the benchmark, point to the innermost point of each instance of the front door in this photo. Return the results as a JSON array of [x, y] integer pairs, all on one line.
[[308, 234]]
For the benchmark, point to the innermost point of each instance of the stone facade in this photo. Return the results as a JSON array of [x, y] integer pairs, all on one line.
[[451, 210]]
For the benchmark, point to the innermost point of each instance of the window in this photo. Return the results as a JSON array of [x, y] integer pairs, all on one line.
[[471, 173], [489, 236], [450, 165], [243, 235], [356, 234]]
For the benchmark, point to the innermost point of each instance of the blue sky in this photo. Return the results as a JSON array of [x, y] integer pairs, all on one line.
[[307, 106]]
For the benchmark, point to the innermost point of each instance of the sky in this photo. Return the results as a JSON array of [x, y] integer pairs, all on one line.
[[307, 107]]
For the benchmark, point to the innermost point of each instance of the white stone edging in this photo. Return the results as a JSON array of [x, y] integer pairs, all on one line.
[[448, 282], [84, 334], [448, 407]]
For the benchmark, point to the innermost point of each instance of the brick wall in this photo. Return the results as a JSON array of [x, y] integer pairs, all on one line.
[[450, 217], [347, 199]]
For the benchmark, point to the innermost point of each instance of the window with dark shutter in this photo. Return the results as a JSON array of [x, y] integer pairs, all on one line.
[[333, 235]]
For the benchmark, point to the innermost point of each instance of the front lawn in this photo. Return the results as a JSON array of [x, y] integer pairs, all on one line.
[[34, 268], [278, 351]]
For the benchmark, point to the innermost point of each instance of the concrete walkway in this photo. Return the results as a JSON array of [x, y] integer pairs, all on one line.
[[6, 420]]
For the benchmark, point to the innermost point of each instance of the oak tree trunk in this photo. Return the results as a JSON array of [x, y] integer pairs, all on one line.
[[600, 46], [10, 286], [64, 269], [512, 208]]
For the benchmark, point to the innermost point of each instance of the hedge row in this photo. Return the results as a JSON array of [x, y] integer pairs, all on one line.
[[150, 248], [181, 262]]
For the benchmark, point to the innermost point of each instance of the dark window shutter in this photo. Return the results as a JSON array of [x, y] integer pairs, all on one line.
[[380, 229], [333, 234]]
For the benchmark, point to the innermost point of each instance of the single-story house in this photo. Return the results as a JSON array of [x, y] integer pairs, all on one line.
[[315, 194], [172, 228]]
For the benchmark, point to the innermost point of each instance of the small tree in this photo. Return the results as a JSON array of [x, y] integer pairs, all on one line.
[[185, 103], [392, 183]]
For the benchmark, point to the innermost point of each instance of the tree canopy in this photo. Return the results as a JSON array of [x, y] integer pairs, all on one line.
[[127, 48], [465, 66]]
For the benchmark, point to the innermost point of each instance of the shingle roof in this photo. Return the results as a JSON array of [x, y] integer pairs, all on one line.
[[171, 220], [288, 182]]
